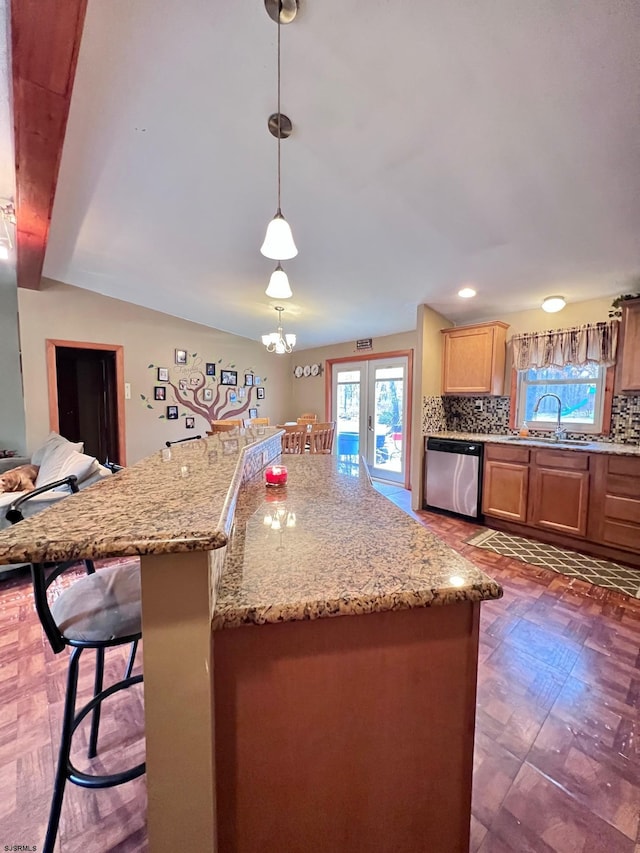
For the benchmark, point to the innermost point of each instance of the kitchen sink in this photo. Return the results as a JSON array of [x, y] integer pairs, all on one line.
[[572, 442]]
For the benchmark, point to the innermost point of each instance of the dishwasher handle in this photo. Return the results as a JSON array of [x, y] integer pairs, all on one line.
[[448, 445]]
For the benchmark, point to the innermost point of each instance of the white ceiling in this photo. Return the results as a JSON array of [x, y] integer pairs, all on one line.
[[434, 144]]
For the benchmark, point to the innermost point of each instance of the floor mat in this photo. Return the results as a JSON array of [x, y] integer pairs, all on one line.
[[598, 572]]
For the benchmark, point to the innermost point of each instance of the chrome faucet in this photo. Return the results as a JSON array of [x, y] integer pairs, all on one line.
[[560, 432]]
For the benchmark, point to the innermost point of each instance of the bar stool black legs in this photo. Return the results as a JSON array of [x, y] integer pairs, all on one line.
[[71, 720]]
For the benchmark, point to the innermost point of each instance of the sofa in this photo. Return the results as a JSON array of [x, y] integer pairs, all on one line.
[[56, 458]]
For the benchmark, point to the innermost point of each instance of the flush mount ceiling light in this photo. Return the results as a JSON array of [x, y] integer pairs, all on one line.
[[278, 242], [551, 304], [276, 341], [8, 215], [279, 287], [466, 292]]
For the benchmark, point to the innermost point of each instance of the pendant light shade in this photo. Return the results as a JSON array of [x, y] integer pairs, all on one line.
[[278, 242], [279, 287]]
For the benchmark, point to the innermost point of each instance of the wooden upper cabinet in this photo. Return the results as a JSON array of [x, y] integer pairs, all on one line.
[[630, 343], [473, 359]]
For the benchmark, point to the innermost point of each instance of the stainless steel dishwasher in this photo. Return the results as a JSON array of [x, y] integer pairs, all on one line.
[[453, 476]]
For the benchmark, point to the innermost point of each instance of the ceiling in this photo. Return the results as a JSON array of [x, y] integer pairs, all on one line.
[[434, 144]]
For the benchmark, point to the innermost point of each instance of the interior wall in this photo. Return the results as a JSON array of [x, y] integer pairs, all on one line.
[[427, 385], [150, 339], [12, 416], [308, 393]]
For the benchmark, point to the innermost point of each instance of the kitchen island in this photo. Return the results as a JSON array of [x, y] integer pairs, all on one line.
[[310, 652]]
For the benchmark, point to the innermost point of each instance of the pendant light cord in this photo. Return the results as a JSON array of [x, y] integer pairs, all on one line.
[[279, 129]]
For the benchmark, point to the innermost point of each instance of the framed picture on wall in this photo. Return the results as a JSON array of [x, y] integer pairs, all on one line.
[[182, 384], [248, 379], [260, 393], [211, 369], [207, 394], [163, 374], [190, 423], [181, 356], [253, 413], [228, 377], [159, 392], [172, 413]]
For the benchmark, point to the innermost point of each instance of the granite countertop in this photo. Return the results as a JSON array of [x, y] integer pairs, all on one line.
[[156, 506], [346, 550], [582, 446]]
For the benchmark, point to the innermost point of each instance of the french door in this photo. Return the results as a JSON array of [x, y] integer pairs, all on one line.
[[369, 402]]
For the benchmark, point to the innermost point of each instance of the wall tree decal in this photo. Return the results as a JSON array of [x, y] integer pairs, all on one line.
[[187, 384]]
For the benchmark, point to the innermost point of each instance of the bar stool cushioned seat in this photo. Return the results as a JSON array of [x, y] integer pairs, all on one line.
[[101, 606]]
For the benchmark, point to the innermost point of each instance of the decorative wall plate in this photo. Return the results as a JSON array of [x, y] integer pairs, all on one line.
[[306, 370], [297, 371], [315, 369]]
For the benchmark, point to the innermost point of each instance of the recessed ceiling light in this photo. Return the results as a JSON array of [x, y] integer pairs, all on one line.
[[551, 304], [467, 292]]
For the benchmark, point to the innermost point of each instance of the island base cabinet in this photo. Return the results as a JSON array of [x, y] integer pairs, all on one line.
[[347, 734]]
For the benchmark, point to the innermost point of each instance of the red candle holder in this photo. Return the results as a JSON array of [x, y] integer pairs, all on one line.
[[275, 475]]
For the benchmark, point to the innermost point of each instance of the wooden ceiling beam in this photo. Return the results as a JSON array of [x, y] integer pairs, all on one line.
[[45, 40]]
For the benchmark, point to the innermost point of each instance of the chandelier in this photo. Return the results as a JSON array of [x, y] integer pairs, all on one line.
[[278, 342], [278, 242]]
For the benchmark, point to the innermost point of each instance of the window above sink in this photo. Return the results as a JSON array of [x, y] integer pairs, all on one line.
[[581, 389]]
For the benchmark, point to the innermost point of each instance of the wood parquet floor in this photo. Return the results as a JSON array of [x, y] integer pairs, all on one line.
[[557, 759]]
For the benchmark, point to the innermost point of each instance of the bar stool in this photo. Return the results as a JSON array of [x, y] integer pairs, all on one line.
[[99, 611]]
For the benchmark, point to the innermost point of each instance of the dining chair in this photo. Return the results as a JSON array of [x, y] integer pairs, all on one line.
[[308, 418], [321, 437], [294, 439], [99, 610], [258, 421], [225, 425]]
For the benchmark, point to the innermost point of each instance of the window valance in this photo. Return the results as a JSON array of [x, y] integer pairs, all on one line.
[[592, 343]]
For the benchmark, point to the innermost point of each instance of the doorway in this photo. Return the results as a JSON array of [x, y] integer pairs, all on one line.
[[86, 396], [371, 404]]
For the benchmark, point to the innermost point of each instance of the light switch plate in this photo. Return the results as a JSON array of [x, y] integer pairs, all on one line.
[[127, 390], [479, 405]]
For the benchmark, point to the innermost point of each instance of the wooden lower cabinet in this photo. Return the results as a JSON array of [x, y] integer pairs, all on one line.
[[585, 500], [614, 517], [506, 482], [559, 500]]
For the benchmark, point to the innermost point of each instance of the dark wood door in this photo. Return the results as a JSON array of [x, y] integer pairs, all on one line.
[[87, 404]]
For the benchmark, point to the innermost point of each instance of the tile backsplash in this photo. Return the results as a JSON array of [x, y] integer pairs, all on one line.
[[459, 414]]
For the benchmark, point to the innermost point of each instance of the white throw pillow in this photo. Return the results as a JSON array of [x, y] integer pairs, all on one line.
[[52, 440], [61, 461]]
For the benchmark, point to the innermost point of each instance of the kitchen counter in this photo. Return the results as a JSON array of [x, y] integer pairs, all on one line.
[[494, 438], [176, 500], [373, 558], [368, 715]]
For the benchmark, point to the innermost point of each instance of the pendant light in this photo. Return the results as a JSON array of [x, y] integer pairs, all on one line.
[[278, 242], [279, 287]]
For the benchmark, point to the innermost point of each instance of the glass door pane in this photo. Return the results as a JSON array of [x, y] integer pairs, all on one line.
[[348, 414], [370, 409], [386, 454]]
